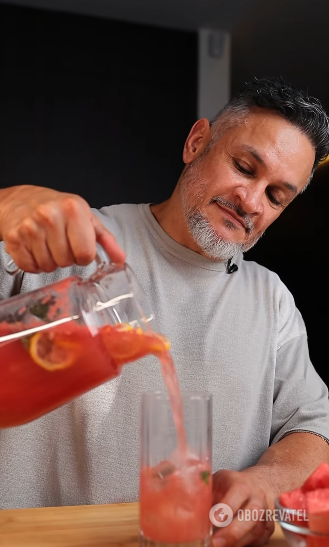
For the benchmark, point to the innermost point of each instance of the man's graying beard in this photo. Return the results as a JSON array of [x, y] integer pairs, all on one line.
[[214, 246]]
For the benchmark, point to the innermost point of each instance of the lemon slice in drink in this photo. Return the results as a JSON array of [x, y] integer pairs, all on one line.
[[122, 342], [156, 343], [125, 343], [52, 351]]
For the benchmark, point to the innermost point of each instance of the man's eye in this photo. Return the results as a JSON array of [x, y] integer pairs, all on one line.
[[242, 169], [273, 199]]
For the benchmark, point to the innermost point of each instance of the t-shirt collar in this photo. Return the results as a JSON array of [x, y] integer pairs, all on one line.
[[178, 250]]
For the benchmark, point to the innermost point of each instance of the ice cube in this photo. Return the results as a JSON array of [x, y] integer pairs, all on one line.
[[163, 469]]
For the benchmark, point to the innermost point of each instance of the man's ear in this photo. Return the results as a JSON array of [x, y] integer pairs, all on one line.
[[198, 139]]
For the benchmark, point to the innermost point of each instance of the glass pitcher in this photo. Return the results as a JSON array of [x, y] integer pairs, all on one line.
[[64, 339]]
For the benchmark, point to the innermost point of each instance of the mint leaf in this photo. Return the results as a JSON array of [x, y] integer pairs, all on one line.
[[205, 476], [41, 308]]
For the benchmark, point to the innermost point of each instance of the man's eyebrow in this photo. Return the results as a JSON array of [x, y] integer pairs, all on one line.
[[291, 187], [254, 153]]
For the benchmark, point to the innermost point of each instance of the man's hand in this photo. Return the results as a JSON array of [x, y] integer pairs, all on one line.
[[239, 491], [283, 466], [44, 229]]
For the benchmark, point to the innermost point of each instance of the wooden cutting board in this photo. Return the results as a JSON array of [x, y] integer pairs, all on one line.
[[76, 526], [79, 526]]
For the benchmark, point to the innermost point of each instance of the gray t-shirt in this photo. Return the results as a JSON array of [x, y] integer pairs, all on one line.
[[238, 336]]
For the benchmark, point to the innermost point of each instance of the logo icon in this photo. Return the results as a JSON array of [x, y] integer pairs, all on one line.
[[221, 515]]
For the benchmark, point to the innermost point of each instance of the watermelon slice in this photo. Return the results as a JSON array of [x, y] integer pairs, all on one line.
[[313, 498], [318, 479], [317, 504], [295, 499]]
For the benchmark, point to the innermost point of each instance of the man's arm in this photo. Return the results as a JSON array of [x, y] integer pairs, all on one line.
[[286, 464], [283, 466]]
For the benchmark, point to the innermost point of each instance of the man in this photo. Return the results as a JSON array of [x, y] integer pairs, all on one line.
[[233, 325]]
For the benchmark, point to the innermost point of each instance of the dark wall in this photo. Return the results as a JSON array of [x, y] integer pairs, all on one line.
[[95, 107], [290, 39]]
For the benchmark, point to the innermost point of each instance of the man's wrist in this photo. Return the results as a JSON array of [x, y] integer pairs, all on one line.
[[261, 476]]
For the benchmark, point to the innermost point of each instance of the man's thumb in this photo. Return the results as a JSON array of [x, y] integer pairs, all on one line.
[[108, 241]]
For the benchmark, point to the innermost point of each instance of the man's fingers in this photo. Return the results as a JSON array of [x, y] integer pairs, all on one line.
[[52, 229], [81, 236], [42, 256], [60, 249], [252, 522], [236, 497], [54, 226], [24, 260], [108, 241], [266, 535], [240, 533], [257, 536], [225, 489]]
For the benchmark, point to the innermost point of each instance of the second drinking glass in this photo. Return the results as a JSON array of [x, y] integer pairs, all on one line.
[[175, 473]]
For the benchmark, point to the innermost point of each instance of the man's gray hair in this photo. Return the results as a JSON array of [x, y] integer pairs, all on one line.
[[304, 112]]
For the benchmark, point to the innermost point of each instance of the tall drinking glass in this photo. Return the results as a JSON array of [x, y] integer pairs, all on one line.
[[175, 473]]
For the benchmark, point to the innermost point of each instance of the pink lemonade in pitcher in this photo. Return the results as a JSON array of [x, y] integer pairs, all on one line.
[[54, 366], [42, 371]]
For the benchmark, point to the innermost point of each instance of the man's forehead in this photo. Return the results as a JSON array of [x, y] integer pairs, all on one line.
[[269, 130], [266, 121]]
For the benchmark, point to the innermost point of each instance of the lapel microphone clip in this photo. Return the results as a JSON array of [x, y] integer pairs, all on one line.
[[231, 268]]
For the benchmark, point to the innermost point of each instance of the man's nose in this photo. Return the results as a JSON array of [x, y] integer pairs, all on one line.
[[250, 197]]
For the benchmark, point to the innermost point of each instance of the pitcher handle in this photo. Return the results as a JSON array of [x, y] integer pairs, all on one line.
[[12, 267], [102, 259]]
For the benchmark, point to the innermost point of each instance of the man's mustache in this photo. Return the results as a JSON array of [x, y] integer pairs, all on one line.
[[229, 205]]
